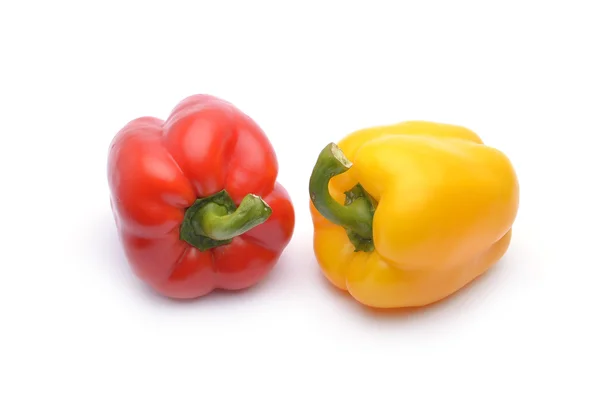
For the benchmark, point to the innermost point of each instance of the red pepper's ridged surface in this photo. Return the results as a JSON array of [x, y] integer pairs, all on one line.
[[157, 169]]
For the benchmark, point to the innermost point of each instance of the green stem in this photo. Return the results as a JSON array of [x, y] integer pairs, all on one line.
[[356, 215], [214, 221]]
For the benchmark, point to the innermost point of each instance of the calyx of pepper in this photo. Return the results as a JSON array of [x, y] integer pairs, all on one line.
[[215, 220], [356, 215]]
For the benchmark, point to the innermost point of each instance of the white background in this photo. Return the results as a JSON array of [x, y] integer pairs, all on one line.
[[77, 324]]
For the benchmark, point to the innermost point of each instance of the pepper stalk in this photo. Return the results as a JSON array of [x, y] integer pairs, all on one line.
[[215, 220], [356, 215]]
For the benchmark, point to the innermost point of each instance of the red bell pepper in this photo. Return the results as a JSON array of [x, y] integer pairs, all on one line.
[[196, 201]]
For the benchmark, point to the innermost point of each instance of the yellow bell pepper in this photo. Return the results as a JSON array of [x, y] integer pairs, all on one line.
[[405, 215]]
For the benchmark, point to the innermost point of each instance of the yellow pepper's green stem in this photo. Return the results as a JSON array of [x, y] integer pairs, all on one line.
[[356, 216]]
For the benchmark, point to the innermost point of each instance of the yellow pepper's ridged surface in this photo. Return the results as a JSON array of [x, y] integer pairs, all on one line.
[[445, 207]]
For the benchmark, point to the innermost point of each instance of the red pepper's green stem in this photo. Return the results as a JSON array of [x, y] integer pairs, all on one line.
[[215, 220], [356, 216]]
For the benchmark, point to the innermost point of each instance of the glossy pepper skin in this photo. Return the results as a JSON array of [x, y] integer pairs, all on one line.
[[405, 215], [196, 201]]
